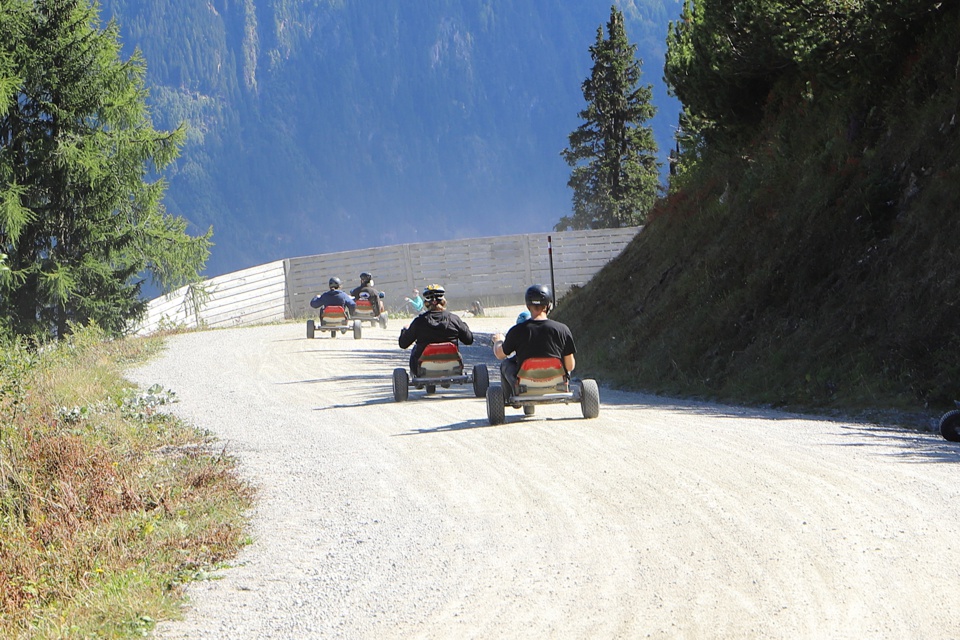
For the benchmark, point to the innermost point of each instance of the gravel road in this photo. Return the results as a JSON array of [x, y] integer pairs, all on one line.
[[660, 518]]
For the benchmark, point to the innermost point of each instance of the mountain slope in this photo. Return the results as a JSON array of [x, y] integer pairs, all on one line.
[[815, 266], [325, 126]]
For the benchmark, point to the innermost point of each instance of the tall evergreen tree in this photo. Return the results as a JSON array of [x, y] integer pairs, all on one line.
[[615, 175], [80, 218]]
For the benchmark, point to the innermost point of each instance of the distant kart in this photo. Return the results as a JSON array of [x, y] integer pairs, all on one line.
[[543, 381], [335, 320], [950, 425], [440, 365], [364, 313]]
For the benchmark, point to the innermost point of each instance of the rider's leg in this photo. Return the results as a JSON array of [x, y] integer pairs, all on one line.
[[414, 361], [508, 376]]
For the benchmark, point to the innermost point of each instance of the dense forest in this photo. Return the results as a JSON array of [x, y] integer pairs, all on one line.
[[325, 126], [806, 255]]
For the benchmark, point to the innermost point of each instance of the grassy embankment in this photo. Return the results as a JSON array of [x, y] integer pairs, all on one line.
[[107, 506], [815, 270]]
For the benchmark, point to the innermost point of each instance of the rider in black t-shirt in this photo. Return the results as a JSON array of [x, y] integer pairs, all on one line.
[[434, 325], [538, 337], [366, 287]]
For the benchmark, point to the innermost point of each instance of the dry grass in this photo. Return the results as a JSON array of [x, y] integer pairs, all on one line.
[[107, 504]]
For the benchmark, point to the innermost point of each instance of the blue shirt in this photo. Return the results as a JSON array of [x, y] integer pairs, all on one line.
[[333, 298]]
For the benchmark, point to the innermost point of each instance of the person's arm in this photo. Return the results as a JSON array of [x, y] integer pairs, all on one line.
[[408, 335], [498, 351], [464, 334], [569, 348]]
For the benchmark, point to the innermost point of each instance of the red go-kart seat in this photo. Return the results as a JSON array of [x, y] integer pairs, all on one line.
[[333, 315], [538, 376], [439, 360], [364, 308]]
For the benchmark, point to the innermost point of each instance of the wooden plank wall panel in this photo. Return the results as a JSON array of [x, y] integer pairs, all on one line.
[[250, 296], [494, 270], [308, 276]]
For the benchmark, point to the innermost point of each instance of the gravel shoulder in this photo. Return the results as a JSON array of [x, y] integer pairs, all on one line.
[[660, 518]]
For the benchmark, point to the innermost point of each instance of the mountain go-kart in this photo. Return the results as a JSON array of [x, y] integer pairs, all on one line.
[[335, 320], [440, 365], [364, 312], [950, 425], [543, 381]]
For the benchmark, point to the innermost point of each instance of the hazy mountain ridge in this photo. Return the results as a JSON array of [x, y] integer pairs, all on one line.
[[325, 126]]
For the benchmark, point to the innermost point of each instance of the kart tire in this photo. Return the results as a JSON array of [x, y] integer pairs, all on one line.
[[950, 426], [333, 334], [529, 409], [431, 388], [357, 329], [495, 406], [311, 329], [401, 384], [481, 380], [589, 399]]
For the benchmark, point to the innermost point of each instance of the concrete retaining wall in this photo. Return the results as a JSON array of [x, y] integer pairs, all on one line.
[[495, 271]]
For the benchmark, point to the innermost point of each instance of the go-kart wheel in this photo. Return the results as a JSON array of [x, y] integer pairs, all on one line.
[[589, 399], [357, 329], [481, 380], [529, 409], [333, 334], [495, 405], [401, 384], [311, 328], [431, 388], [950, 426]]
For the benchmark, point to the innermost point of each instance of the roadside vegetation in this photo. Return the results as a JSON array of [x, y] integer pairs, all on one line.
[[806, 253], [108, 505], [804, 256]]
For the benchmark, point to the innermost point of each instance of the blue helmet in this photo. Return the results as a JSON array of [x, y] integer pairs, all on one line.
[[523, 317]]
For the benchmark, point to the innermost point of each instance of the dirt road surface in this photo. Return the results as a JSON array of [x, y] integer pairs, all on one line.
[[660, 518]]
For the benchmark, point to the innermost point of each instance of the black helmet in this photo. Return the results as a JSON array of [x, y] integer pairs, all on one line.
[[433, 292], [365, 277], [538, 294], [334, 283]]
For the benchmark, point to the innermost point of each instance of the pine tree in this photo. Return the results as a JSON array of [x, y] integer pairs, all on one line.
[[80, 219], [615, 177]]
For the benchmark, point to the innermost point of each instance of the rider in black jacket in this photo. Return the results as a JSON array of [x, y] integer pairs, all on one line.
[[434, 325]]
